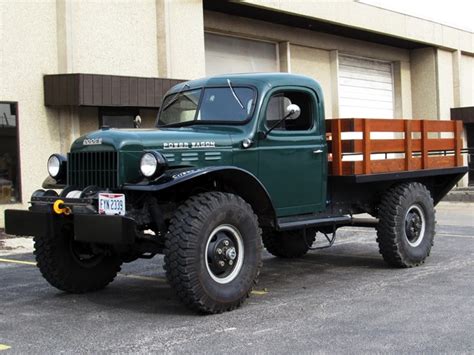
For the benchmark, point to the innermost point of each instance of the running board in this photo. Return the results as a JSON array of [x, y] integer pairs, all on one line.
[[299, 222], [284, 224]]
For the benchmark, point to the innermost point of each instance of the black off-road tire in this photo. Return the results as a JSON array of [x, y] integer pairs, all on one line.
[[290, 244], [187, 258], [400, 211], [59, 265]]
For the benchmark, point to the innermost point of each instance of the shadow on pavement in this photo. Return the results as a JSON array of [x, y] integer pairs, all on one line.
[[156, 296]]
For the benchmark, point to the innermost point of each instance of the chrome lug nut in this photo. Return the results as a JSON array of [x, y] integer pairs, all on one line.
[[221, 263], [226, 242], [231, 262], [231, 253], [219, 251]]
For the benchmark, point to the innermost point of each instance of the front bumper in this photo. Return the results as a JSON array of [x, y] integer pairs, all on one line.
[[91, 228]]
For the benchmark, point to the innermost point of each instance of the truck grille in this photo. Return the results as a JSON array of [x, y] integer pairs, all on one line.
[[93, 168]]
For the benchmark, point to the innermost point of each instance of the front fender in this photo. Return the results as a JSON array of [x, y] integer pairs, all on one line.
[[171, 178], [235, 180]]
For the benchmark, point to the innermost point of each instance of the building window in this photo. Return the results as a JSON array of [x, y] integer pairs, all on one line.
[[10, 188], [365, 88], [226, 54], [118, 117]]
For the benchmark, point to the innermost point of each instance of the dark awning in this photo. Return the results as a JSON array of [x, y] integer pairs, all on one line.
[[465, 114], [105, 90]]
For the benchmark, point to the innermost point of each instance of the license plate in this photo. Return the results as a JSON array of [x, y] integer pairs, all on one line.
[[112, 204]]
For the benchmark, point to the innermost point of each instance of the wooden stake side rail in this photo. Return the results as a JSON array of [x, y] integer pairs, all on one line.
[[411, 145]]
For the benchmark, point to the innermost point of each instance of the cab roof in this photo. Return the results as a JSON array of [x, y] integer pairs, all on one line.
[[262, 81]]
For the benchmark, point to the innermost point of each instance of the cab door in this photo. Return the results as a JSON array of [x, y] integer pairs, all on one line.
[[292, 158]]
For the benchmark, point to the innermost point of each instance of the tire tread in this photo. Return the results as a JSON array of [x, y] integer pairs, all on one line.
[[389, 211], [45, 250], [181, 241]]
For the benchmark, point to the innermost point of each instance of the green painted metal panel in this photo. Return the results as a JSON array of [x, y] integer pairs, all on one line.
[[292, 163], [284, 162]]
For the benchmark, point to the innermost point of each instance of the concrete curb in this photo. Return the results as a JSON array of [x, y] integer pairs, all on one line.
[[460, 195], [18, 245]]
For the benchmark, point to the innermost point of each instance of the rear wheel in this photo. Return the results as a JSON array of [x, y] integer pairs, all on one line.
[[406, 228], [213, 252], [73, 266], [290, 244]]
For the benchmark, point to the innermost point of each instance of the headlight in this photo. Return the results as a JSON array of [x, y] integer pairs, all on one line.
[[152, 164], [57, 166]]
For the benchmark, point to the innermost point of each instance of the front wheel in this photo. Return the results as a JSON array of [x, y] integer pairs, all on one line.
[[73, 266], [406, 228], [213, 252]]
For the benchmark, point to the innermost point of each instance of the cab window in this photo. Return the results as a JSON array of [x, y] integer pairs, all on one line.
[[226, 104], [277, 109]]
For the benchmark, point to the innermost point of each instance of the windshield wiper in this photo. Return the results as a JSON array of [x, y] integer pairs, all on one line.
[[175, 97], [235, 95], [180, 124]]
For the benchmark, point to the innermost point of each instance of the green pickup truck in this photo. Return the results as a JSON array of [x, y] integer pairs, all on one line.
[[236, 162]]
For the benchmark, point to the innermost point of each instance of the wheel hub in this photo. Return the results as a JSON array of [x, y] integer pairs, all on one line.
[[414, 225], [224, 253], [221, 254], [84, 255]]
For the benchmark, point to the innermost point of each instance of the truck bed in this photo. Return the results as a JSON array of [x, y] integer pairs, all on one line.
[[361, 146]]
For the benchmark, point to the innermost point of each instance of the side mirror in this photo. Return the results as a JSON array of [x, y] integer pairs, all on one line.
[[293, 111]]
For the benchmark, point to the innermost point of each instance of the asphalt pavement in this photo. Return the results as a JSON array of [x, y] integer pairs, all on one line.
[[344, 299]]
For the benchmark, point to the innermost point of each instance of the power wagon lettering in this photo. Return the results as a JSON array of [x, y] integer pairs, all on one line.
[[189, 145]]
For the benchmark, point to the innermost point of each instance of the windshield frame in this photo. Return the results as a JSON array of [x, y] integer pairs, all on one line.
[[247, 119]]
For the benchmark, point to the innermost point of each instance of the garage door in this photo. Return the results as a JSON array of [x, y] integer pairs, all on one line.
[[225, 54], [365, 88]]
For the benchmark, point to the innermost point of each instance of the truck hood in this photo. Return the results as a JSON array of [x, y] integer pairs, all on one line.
[[164, 140]]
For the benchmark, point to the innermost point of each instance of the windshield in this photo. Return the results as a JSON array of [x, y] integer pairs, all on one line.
[[223, 104]]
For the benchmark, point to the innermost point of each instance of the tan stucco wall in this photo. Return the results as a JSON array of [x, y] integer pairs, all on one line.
[[180, 38], [423, 83], [437, 83], [467, 81], [27, 51], [405, 91], [402, 89], [315, 63], [445, 83], [112, 37], [89, 119]]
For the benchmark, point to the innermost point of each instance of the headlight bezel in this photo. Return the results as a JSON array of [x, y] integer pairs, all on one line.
[[159, 167], [60, 166]]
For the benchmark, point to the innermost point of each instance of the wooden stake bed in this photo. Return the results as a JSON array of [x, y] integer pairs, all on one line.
[[372, 146]]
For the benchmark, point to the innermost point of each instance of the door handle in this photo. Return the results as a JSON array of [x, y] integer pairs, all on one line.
[[318, 151]]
